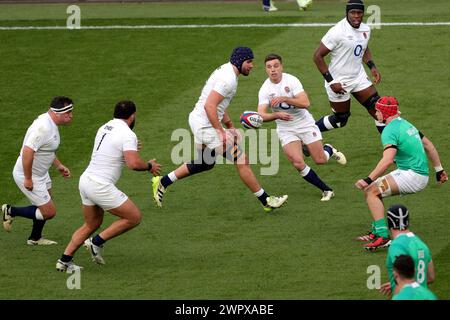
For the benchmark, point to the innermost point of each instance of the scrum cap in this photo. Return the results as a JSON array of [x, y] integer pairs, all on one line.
[[239, 55], [398, 217], [388, 106], [354, 5]]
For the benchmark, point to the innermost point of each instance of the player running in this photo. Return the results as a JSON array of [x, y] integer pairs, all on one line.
[[212, 138], [284, 94], [348, 43]]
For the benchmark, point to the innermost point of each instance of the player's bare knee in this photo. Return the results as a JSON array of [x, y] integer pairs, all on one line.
[[372, 191], [135, 219], [320, 159], [49, 215], [299, 165]]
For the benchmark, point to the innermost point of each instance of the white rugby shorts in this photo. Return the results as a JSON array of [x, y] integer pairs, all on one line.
[[39, 195], [103, 194], [306, 135], [204, 135], [407, 181], [357, 84]]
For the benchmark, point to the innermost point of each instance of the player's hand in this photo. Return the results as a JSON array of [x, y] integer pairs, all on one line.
[[65, 172], [337, 88], [385, 288], [284, 116], [276, 101], [156, 167], [139, 145], [28, 184], [441, 176], [376, 75], [361, 184], [223, 137]]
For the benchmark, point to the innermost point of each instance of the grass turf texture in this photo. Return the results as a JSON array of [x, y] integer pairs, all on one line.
[[212, 240]]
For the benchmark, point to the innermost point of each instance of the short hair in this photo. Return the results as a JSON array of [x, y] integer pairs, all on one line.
[[273, 56], [404, 265], [124, 109], [60, 102]]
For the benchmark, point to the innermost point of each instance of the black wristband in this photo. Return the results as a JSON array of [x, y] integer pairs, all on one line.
[[368, 180], [150, 166], [438, 175], [370, 64], [327, 76]]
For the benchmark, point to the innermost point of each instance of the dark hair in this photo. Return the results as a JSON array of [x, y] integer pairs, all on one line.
[[60, 102], [273, 56], [124, 109], [404, 265]]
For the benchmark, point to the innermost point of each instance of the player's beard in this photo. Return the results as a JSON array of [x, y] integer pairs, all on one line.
[[132, 124]]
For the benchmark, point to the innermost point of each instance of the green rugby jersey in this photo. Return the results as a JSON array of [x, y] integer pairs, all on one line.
[[410, 152], [414, 291], [412, 245]]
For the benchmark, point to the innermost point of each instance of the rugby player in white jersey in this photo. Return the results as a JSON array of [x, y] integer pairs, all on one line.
[[115, 145], [31, 171], [284, 95], [212, 138], [348, 43]]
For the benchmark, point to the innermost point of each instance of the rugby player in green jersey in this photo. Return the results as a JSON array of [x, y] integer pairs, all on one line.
[[406, 242], [409, 289], [402, 144]]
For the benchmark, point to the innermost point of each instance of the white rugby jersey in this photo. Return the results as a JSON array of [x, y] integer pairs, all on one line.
[[43, 137], [347, 46], [224, 81], [107, 160], [289, 86]]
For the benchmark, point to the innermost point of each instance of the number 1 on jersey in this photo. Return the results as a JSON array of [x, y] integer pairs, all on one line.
[[101, 140]]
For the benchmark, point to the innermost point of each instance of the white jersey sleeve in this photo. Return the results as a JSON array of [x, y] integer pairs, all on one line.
[[224, 81], [130, 142], [263, 96], [222, 87], [43, 137], [296, 86], [37, 137], [331, 38]]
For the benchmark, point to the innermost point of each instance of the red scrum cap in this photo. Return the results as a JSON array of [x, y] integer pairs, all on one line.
[[388, 106]]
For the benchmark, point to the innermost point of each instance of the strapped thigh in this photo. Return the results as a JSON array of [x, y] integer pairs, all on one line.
[[383, 186]]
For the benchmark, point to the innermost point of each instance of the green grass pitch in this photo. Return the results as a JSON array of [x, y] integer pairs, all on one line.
[[212, 240]]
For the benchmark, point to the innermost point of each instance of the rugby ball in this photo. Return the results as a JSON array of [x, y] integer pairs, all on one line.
[[251, 120]]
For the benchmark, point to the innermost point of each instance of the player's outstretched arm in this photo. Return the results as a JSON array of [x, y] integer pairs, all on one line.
[[433, 155], [387, 159], [135, 162]]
